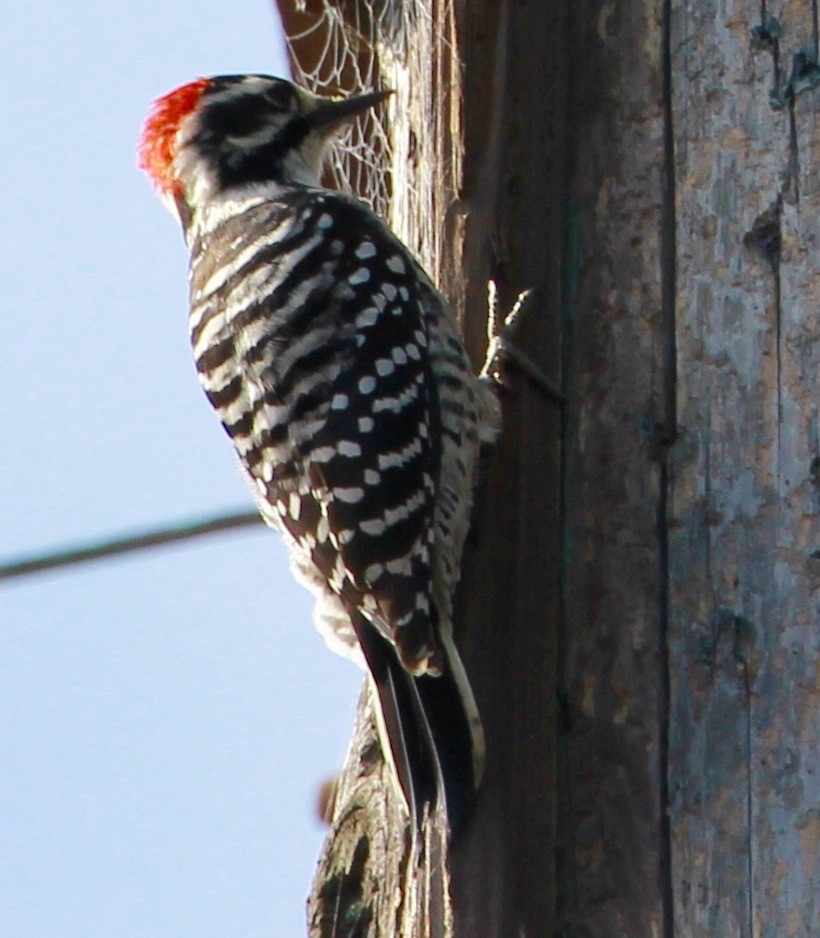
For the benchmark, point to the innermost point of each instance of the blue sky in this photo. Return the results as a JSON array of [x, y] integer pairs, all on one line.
[[166, 719]]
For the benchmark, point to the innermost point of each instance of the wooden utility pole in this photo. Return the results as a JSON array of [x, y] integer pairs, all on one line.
[[639, 604]]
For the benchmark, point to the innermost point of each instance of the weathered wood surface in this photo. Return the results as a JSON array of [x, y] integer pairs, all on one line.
[[617, 376], [373, 877], [743, 498], [512, 206], [639, 605]]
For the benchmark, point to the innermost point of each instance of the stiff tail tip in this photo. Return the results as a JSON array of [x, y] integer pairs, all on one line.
[[429, 730]]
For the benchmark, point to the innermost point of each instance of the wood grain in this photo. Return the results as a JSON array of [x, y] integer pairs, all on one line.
[[743, 507]]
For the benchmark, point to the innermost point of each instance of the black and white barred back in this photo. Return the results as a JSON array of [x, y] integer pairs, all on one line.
[[344, 389], [341, 381]]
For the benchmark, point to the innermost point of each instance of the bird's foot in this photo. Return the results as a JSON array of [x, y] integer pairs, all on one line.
[[502, 349]]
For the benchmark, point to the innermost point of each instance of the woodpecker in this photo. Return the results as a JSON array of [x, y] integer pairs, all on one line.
[[342, 382]]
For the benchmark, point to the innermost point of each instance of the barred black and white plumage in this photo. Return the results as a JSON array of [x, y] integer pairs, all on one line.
[[343, 384]]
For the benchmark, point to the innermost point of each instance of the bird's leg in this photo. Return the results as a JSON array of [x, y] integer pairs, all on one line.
[[502, 348]]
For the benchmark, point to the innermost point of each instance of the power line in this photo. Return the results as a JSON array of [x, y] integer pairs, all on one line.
[[127, 543]]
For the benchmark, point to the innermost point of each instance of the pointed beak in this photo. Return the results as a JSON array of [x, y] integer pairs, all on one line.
[[331, 113]]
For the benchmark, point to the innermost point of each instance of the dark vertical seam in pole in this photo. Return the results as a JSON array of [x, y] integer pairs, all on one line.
[[568, 300], [778, 320], [569, 293], [750, 865], [668, 432], [816, 27], [664, 690]]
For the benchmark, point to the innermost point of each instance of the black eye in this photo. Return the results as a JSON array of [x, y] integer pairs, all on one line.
[[238, 118]]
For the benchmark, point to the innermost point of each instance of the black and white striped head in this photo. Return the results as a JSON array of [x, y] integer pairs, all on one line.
[[215, 135]]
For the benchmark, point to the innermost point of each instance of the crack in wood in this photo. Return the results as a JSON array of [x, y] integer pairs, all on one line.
[[668, 246], [766, 236], [805, 70], [815, 27], [750, 857]]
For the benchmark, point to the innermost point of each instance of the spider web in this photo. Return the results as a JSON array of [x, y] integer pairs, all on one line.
[[399, 156]]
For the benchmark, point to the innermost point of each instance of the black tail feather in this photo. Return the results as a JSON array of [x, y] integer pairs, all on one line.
[[443, 708], [428, 732]]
